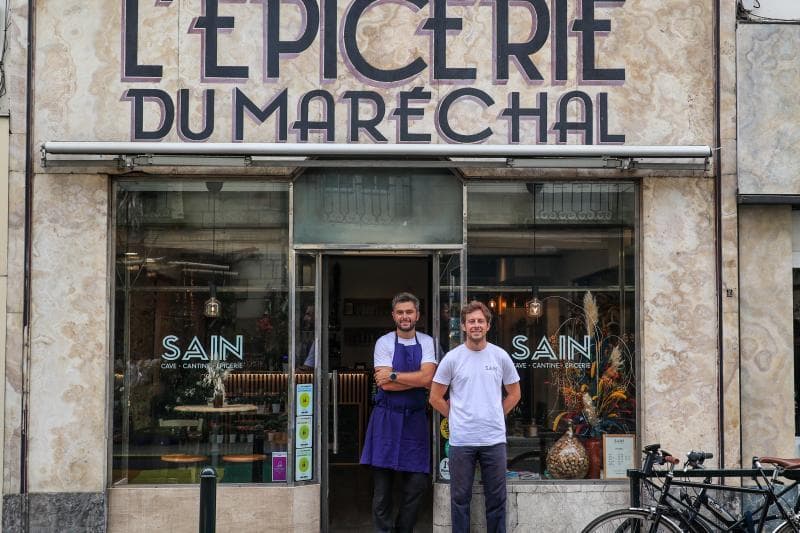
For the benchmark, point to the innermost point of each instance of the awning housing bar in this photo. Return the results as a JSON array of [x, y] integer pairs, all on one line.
[[132, 155]]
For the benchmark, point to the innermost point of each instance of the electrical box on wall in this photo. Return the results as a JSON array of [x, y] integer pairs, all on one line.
[[770, 10]]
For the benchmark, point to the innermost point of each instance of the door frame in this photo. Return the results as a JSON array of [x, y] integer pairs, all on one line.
[[321, 384]]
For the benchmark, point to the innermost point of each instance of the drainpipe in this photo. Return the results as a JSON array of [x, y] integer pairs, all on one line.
[[26, 293], [718, 237]]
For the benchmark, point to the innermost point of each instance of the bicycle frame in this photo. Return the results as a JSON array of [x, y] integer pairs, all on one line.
[[691, 516]]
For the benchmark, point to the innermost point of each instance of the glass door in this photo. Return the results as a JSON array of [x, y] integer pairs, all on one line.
[[448, 292]]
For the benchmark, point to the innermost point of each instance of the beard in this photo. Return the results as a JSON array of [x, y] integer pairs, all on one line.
[[406, 326]]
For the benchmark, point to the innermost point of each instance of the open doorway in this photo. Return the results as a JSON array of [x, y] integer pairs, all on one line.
[[357, 292]]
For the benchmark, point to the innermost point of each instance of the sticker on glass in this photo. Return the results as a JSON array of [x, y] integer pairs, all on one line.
[[444, 469]]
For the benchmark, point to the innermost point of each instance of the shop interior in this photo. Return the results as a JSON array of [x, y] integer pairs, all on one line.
[[358, 293]]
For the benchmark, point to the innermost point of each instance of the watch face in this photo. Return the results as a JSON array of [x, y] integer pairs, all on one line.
[[393, 376]]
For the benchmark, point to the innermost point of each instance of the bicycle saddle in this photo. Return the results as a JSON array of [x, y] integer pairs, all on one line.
[[788, 464]]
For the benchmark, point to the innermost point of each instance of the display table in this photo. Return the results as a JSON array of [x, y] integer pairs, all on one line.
[[210, 409], [216, 412]]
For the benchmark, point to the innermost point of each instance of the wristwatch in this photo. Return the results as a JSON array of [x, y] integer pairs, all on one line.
[[393, 376]]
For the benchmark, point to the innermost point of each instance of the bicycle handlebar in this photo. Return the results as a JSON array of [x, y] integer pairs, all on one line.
[[698, 457]]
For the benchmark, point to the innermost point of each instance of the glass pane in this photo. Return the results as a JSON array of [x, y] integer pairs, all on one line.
[[377, 206], [305, 363], [555, 264], [796, 322], [449, 301], [449, 338], [200, 330]]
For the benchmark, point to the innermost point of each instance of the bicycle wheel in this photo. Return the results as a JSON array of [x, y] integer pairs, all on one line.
[[630, 521], [787, 527]]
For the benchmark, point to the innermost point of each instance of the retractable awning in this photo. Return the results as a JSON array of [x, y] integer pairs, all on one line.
[[133, 155]]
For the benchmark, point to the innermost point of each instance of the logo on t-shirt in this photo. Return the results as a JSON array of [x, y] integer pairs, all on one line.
[[491, 368]]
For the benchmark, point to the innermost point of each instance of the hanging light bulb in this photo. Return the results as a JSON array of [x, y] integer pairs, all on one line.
[[492, 304], [212, 307], [534, 308]]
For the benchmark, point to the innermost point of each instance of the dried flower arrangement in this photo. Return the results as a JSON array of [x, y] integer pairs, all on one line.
[[599, 400]]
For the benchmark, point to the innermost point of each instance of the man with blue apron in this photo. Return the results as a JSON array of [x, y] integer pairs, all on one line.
[[398, 439]]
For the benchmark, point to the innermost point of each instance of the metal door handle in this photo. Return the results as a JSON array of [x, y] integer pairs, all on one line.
[[335, 390]]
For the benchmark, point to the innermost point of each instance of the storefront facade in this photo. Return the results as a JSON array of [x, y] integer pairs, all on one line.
[[223, 196]]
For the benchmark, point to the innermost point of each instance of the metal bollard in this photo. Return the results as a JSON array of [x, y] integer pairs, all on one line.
[[635, 477], [208, 500]]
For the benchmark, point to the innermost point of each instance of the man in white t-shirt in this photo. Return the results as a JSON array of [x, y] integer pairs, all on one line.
[[398, 434], [476, 373]]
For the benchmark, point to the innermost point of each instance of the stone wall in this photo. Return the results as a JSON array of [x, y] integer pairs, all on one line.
[[768, 111], [176, 509], [551, 507], [767, 366]]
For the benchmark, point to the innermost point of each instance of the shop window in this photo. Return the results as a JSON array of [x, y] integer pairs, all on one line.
[[201, 331], [555, 264], [796, 320]]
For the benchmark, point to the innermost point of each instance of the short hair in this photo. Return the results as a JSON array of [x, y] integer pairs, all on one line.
[[405, 297], [473, 306]]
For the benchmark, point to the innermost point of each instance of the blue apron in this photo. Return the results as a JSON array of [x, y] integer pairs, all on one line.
[[397, 434]]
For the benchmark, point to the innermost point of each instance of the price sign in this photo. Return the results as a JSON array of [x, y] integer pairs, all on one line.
[[618, 455]]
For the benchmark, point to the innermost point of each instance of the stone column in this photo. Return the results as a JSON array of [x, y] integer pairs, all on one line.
[[69, 364], [678, 398]]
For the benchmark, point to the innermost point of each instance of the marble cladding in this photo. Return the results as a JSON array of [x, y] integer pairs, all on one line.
[[12, 403], [664, 47], [550, 507], [69, 329], [678, 398], [176, 509], [769, 140], [67, 512], [767, 350], [731, 378]]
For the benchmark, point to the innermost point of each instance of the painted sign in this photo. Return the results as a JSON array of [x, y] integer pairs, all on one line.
[[195, 354], [533, 71], [571, 353]]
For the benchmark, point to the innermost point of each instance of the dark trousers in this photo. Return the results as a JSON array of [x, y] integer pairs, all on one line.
[[493, 475], [414, 486]]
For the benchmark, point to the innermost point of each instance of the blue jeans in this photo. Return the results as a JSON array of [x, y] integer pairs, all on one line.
[[493, 475]]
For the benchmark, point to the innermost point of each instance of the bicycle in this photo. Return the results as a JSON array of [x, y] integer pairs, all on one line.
[[697, 512]]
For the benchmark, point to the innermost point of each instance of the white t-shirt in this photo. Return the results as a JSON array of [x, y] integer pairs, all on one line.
[[476, 399], [384, 348]]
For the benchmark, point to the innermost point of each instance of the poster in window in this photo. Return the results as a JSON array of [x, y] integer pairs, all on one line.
[[302, 464], [305, 399], [618, 455], [303, 432]]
